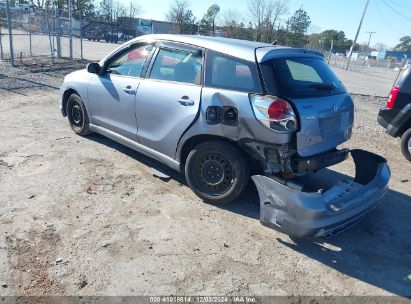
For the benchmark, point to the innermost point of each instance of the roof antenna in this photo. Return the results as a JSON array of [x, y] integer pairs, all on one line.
[[275, 42]]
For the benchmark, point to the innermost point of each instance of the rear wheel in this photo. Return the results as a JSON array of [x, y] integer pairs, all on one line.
[[77, 115], [406, 144], [217, 171]]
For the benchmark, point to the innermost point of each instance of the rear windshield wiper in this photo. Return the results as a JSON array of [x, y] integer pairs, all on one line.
[[323, 86]]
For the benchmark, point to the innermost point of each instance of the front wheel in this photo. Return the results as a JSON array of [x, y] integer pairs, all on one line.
[[406, 144], [77, 115], [217, 171]]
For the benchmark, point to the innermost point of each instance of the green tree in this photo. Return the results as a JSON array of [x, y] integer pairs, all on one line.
[[207, 23], [180, 14], [85, 8], [190, 25], [297, 26], [106, 10], [404, 45], [323, 41]]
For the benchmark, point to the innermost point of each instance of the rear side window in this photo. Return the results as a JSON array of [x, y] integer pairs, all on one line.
[[300, 77], [177, 65], [231, 73]]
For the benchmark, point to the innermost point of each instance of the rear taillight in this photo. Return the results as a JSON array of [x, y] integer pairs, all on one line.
[[274, 113], [392, 97]]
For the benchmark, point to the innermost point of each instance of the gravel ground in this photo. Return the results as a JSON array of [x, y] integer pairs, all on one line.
[[86, 216]]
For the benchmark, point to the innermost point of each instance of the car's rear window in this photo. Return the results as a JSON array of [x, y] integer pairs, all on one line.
[[300, 77]]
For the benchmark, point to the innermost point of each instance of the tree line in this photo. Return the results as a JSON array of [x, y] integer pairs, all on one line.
[[267, 21]]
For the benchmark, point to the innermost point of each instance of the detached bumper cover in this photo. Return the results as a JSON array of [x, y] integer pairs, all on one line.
[[324, 213]]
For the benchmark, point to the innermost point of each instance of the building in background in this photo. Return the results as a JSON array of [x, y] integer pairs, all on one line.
[[150, 26]]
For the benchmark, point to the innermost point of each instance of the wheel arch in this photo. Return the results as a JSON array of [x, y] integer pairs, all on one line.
[[66, 95], [191, 142]]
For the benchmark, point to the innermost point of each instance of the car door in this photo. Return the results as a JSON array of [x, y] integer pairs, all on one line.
[[112, 94], [168, 98]]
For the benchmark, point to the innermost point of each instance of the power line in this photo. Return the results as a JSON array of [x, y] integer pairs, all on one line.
[[395, 11], [400, 4], [385, 20]]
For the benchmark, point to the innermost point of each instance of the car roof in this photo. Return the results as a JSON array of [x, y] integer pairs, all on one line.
[[243, 49]]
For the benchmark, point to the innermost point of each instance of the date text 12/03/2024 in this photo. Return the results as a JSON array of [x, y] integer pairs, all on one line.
[[202, 299]]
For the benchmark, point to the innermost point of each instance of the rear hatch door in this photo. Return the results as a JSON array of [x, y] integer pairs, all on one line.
[[323, 106]]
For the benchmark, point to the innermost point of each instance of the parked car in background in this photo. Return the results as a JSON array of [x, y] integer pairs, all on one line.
[[396, 116], [220, 110]]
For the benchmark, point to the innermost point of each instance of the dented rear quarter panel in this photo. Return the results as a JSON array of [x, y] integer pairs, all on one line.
[[248, 126]]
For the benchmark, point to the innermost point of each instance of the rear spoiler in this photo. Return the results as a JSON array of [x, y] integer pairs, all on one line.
[[267, 53]]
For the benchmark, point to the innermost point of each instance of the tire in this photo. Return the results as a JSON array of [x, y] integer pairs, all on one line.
[[217, 171], [406, 144], [77, 115]]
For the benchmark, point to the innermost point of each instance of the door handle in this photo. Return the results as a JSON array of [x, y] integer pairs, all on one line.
[[129, 90], [186, 101]]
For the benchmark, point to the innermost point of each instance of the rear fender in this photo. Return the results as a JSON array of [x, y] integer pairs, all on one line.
[[228, 114]]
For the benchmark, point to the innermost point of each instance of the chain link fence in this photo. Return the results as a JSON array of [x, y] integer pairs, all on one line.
[[50, 36], [38, 34]]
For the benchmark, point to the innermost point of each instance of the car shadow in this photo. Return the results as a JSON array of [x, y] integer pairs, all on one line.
[[376, 251], [166, 172]]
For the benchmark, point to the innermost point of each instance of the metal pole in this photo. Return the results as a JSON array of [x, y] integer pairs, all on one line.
[[81, 36], [30, 45], [70, 31], [1, 46], [58, 33], [10, 32], [356, 35], [48, 30], [331, 51]]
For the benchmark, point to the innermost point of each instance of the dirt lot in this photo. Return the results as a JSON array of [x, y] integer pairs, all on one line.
[[86, 216]]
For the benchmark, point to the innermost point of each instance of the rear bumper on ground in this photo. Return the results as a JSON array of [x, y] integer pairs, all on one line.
[[324, 213]]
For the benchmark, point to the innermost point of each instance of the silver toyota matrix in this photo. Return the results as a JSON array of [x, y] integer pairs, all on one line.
[[221, 110]]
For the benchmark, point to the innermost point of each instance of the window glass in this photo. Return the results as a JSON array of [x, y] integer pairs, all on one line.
[[300, 77], [303, 72], [177, 65], [131, 63], [404, 80], [231, 73]]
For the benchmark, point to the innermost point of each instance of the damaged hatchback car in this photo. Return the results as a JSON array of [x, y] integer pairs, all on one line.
[[221, 110]]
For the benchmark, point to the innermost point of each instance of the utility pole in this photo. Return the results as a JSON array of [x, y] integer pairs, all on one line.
[[369, 39], [356, 35]]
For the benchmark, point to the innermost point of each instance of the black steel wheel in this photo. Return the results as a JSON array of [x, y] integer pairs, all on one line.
[[217, 171], [77, 115]]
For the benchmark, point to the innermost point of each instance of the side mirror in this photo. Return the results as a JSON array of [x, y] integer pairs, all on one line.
[[94, 68]]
